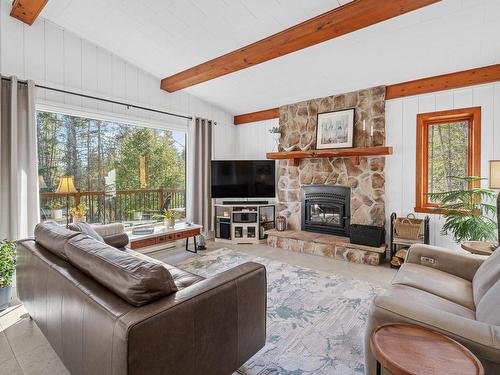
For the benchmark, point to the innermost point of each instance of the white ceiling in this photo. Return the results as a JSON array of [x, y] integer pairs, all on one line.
[[167, 36]]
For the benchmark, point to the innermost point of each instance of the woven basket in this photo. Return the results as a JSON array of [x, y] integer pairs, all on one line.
[[408, 227]]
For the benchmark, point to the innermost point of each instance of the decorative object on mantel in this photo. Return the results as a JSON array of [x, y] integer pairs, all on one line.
[[281, 223], [335, 129], [364, 136], [398, 245], [276, 133]]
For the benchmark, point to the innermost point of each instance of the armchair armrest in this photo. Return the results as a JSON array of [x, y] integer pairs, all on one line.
[[211, 327], [461, 264], [482, 338]]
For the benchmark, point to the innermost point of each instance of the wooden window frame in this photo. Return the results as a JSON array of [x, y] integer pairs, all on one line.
[[473, 117]]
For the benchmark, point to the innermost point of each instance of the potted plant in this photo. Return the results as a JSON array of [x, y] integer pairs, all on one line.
[[56, 209], [168, 218], [468, 213], [79, 213], [7, 268]]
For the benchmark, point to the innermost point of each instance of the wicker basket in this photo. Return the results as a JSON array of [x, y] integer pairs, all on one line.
[[408, 227]]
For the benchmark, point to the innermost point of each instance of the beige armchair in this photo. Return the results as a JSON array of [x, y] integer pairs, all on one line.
[[452, 292]]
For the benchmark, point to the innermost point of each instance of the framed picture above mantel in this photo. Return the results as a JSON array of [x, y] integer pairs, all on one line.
[[335, 129]]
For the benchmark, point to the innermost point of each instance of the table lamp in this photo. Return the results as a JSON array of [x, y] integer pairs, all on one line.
[[66, 186], [495, 184]]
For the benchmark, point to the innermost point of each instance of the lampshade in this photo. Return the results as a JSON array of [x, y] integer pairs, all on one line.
[[66, 185], [494, 174]]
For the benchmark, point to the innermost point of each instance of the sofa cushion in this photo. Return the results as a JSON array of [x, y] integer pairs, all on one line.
[[488, 309], [87, 229], [53, 237], [134, 279], [442, 284], [486, 276]]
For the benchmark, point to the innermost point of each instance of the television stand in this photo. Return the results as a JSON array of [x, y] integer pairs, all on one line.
[[244, 202], [243, 223]]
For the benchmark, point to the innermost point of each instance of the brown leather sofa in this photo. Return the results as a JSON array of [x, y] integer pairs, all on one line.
[[108, 311]]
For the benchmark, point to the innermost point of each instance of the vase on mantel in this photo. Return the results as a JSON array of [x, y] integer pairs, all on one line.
[[276, 134]]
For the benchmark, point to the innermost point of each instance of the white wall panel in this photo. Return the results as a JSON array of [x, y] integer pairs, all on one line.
[[52, 56]]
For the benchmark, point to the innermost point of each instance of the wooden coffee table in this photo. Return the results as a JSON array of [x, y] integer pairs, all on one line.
[[406, 349], [162, 235]]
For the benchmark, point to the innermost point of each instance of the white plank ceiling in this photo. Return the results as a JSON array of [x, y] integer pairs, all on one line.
[[164, 37]]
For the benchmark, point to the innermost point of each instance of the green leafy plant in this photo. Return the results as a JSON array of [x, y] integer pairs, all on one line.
[[165, 214], [275, 130], [468, 215], [7, 263]]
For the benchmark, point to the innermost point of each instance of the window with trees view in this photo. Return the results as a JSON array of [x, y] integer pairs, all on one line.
[[448, 146], [121, 172]]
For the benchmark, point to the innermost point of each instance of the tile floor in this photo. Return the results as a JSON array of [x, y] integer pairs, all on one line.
[[24, 349]]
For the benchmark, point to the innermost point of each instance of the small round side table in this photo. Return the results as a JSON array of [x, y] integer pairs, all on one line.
[[478, 247], [406, 349]]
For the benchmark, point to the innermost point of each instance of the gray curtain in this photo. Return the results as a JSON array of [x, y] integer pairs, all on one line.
[[19, 206], [200, 147]]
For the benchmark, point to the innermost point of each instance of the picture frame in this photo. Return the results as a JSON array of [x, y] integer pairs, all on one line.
[[335, 129]]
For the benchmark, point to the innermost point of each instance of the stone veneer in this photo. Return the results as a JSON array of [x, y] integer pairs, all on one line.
[[325, 245], [367, 180]]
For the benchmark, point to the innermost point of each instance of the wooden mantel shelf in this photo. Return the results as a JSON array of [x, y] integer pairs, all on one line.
[[354, 152]]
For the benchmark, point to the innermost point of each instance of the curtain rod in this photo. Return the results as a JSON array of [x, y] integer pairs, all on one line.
[[103, 99]]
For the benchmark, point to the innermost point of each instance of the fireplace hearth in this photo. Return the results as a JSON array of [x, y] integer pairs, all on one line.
[[326, 209]]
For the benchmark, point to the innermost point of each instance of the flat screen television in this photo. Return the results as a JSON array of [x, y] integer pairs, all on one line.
[[243, 179]]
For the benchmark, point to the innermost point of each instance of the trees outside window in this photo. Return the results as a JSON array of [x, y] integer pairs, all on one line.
[[105, 156], [448, 146]]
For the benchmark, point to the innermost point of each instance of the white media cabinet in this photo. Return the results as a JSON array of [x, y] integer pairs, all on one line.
[[243, 222]]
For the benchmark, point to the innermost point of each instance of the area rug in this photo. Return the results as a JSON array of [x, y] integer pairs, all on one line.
[[315, 320]]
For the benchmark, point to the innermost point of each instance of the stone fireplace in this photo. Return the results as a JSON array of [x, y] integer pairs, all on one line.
[[326, 209], [365, 181], [321, 197]]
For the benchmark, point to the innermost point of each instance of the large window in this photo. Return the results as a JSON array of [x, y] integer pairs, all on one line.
[[448, 146], [120, 172]]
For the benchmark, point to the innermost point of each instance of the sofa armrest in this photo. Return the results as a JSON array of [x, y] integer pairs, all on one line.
[[108, 229], [211, 327], [461, 264]]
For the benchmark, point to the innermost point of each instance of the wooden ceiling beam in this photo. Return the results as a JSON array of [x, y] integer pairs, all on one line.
[[464, 78], [27, 10], [353, 16], [267, 114]]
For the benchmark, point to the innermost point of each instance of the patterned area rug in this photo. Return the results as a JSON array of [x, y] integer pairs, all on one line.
[[315, 320]]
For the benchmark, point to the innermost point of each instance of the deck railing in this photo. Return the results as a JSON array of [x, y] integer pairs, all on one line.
[[115, 206]]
